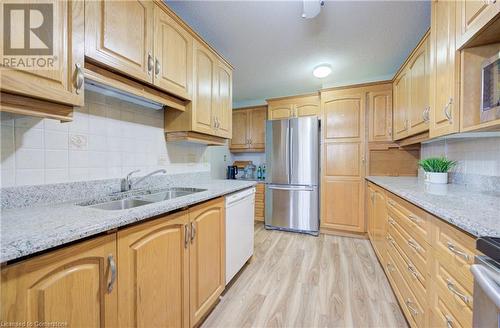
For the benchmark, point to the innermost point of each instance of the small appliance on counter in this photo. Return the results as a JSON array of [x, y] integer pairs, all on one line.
[[232, 172], [249, 171]]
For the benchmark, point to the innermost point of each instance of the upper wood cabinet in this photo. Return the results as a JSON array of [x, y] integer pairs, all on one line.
[[120, 35], [173, 53], [411, 93], [224, 100], [472, 16], [207, 257], [249, 134], [153, 273], [445, 66], [62, 81], [75, 285], [295, 106], [380, 115]]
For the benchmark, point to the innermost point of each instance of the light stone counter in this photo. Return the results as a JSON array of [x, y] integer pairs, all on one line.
[[475, 212]]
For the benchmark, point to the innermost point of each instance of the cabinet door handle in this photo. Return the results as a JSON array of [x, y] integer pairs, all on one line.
[[412, 270], [391, 202], [390, 267], [193, 231], [412, 244], [150, 63], [112, 267], [391, 221], [408, 303], [186, 236], [425, 114], [157, 67], [449, 322], [453, 289], [457, 251], [413, 218], [447, 110], [79, 78]]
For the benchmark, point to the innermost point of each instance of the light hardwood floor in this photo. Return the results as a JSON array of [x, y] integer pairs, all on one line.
[[296, 280]]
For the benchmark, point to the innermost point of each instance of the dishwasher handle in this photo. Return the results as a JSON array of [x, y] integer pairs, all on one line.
[[486, 283]]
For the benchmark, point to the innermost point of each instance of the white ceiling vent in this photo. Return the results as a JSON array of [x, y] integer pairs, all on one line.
[[312, 8]]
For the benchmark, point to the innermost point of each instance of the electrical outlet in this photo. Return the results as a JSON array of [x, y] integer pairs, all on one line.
[[78, 141]]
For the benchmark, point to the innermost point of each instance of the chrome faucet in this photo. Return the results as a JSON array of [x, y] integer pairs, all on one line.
[[127, 182]]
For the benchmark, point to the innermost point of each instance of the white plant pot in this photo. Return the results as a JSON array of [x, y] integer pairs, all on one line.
[[434, 177]]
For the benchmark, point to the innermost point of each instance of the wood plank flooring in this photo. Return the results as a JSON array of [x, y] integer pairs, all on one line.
[[296, 280]]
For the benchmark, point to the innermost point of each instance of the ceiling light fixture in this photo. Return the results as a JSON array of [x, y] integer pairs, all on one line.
[[322, 71], [311, 8]]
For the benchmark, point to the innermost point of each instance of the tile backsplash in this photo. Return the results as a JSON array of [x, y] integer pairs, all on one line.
[[106, 139], [475, 156]]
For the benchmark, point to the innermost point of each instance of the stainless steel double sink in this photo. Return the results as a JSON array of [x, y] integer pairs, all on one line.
[[141, 200]]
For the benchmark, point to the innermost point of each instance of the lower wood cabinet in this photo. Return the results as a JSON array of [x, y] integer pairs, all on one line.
[[153, 271], [207, 257], [74, 285], [260, 202], [167, 272], [427, 261]]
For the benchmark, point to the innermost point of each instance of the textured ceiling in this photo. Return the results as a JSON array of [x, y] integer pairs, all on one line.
[[274, 50]]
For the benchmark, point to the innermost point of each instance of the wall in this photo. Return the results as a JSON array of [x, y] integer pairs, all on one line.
[[107, 139], [475, 156]]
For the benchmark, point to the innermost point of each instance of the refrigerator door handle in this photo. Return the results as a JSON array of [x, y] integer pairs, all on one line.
[[291, 188], [290, 153]]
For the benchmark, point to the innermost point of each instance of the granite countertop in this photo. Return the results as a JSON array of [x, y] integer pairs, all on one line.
[[477, 213], [29, 230]]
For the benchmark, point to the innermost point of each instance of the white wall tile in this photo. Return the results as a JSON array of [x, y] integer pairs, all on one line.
[[29, 159], [28, 138], [8, 178], [55, 140], [56, 159], [29, 177], [56, 175], [78, 159]]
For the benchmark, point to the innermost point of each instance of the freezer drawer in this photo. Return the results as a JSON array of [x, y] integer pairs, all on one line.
[[293, 208]]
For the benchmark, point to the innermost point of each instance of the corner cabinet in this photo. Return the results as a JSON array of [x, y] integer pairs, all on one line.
[[250, 129], [445, 69], [207, 257], [63, 83], [295, 106], [75, 285]]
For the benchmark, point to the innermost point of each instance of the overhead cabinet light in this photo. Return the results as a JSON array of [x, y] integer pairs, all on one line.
[[322, 71]]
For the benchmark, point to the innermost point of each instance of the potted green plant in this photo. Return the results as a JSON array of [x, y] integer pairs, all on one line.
[[436, 169]]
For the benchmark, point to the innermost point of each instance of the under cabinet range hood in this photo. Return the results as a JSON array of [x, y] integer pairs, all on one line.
[[122, 95], [111, 84]]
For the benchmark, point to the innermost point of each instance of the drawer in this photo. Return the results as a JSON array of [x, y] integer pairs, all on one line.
[[441, 316], [416, 279], [413, 218], [446, 288], [455, 249], [414, 248], [412, 309]]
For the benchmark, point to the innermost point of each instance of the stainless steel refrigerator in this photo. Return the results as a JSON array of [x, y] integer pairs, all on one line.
[[292, 175]]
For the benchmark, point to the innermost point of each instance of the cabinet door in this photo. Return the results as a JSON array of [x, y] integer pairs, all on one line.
[[154, 273], [57, 82], [370, 224], [342, 195], [472, 16], [307, 106], [400, 91], [240, 133], [418, 107], [257, 128], [380, 219], [69, 285], [380, 115], [279, 112], [204, 93], [119, 34], [207, 257], [224, 99], [173, 52], [444, 116]]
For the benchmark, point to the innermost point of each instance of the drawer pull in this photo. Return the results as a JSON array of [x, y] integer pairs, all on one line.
[[413, 218], [390, 267], [449, 322], [412, 244], [412, 270], [186, 236], [452, 288], [390, 240], [408, 303], [457, 251], [391, 221], [392, 203]]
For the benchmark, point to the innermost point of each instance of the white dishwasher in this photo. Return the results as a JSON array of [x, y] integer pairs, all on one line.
[[240, 210]]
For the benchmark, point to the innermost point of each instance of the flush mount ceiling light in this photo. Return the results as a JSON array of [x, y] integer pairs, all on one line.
[[322, 71], [311, 8]]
